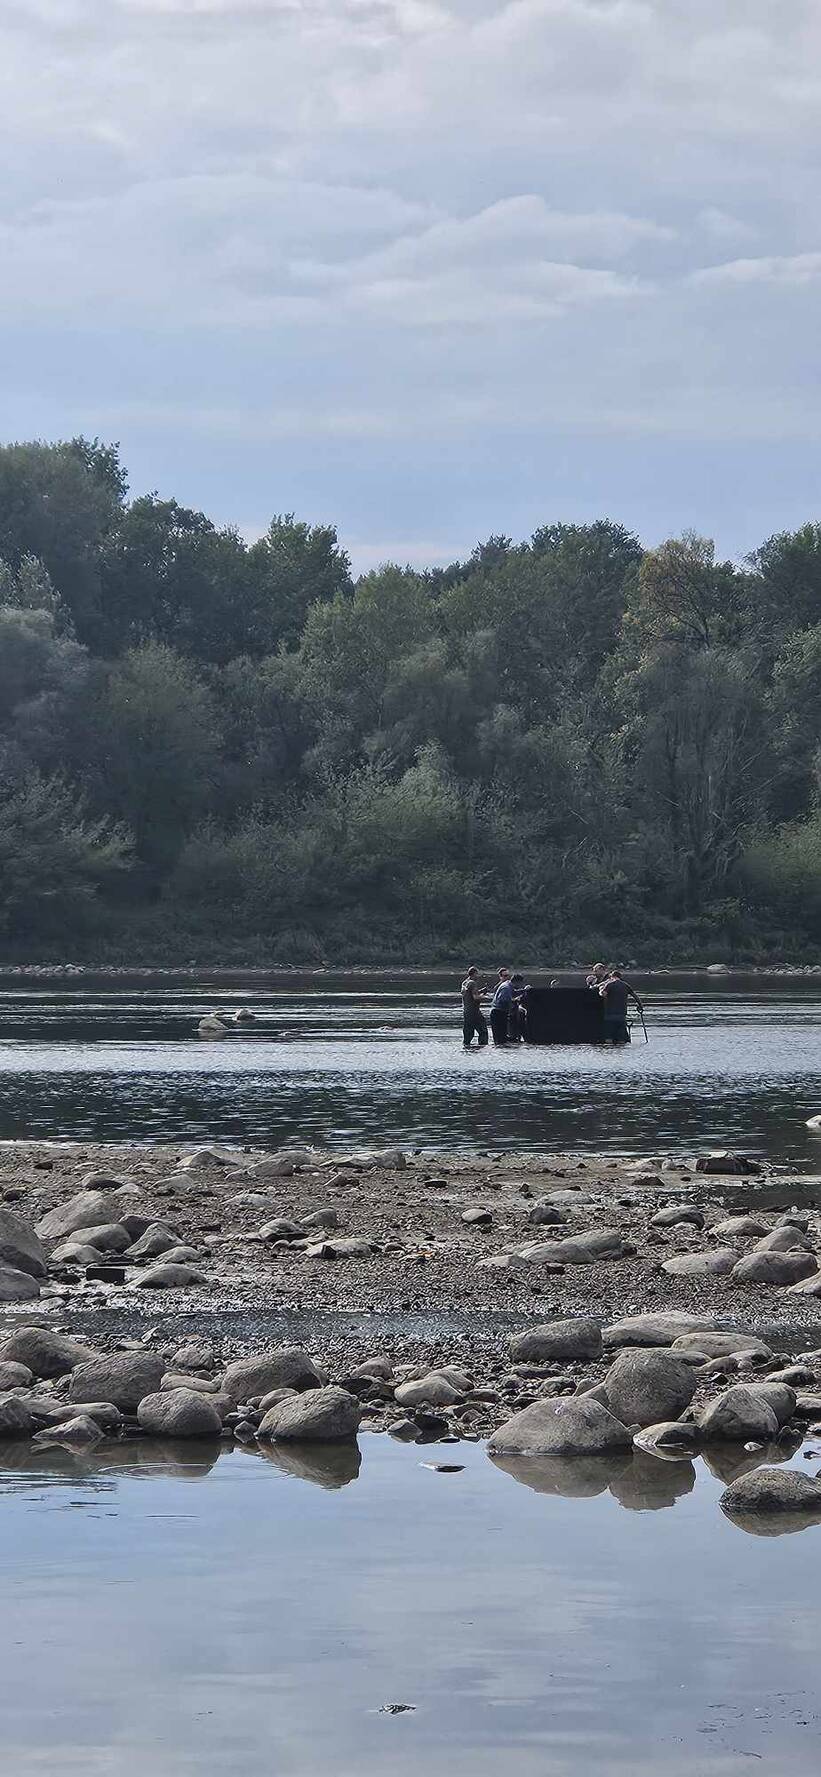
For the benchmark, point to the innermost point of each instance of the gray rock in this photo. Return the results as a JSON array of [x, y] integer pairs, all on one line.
[[559, 1340], [564, 1427], [715, 1262], [75, 1252], [78, 1432], [477, 1218], [169, 1277], [543, 1213], [274, 1396], [156, 1240], [645, 1387], [739, 1415], [776, 1395], [17, 1286], [320, 1218], [324, 1415], [785, 1239], [251, 1377], [86, 1209], [352, 1246], [206, 1385], [195, 1354], [655, 1328], [674, 1213], [577, 1249], [433, 1390], [807, 1286], [45, 1353], [123, 1377], [110, 1237], [16, 1419], [179, 1413], [739, 1228], [20, 1248], [772, 1490], [774, 1268], [721, 1344], [14, 1376], [280, 1229], [669, 1437]]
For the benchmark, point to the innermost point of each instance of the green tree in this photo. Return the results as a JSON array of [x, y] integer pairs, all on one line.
[[54, 857]]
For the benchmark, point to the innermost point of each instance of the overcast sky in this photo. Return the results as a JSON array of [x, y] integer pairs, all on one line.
[[430, 269]]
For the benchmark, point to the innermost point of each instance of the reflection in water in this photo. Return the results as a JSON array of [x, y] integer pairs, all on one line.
[[253, 1623], [571, 1477], [326, 1465], [729, 1461], [733, 1064]]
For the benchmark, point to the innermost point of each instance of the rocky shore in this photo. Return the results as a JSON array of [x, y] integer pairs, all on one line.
[[562, 1308]]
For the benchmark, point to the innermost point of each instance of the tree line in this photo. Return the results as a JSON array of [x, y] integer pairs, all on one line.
[[219, 750]]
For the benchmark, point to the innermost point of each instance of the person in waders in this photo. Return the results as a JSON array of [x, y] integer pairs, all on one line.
[[501, 1008], [474, 1023], [616, 994]]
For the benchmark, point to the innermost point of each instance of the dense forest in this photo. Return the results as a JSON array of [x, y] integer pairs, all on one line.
[[215, 750]]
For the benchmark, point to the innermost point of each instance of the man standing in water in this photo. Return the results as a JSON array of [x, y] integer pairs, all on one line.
[[501, 1008], [473, 1018], [616, 994]]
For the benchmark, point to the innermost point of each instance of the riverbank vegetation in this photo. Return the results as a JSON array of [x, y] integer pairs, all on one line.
[[215, 750]]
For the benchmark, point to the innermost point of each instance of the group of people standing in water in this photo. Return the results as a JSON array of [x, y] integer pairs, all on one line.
[[508, 1007]]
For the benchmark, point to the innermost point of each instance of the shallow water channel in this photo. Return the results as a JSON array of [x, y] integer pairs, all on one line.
[[173, 1611], [735, 1062]]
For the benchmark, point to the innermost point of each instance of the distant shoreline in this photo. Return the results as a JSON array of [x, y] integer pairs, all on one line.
[[230, 974]]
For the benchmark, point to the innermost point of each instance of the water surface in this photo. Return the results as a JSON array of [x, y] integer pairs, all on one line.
[[171, 1611], [734, 1063]]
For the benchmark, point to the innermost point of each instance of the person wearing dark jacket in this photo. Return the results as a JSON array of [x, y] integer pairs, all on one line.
[[501, 1008], [474, 1023]]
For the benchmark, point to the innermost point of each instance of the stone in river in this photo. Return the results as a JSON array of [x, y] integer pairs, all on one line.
[[79, 1432], [20, 1247], [739, 1415], [772, 1491], [17, 1286], [722, 1344], [563, 1427], [14, 1376], [86, 1209], [123, 1377], [656, 1328], [323, 1415], [715, 1262], [250, 1377], [169, 1277], [45, 1353], [559, 1340], [179, 1413], [774, 1268], [16, 1419], [644, 1387], [669, 1437]]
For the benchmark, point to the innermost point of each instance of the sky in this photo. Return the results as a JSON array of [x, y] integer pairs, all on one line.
[[426, 269]]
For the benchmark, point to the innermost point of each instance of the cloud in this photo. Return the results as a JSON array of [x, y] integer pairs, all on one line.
[[793, 271]]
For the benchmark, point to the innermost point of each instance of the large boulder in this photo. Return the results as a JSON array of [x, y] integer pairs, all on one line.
[[645, 1387], [110, 1237], [16, 1418], [250, 1377], [562, 1427], [122, 1377], [155, 1240], [777, 1268], [560, 1341], [671, 1438], [433, 1390], [17, 1286], [715, 1262], [577, 1249], [784, 1239], [20, 1247], [739, 1228], [739, 1415], [86, 1209], [179, 1413], [14, 1376], [655, 1328], [807, 1286], [323, 1415], [772, 1490], [722, 1344], [779, 1396], [43, 1352]]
